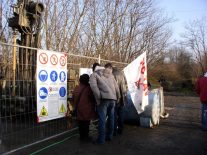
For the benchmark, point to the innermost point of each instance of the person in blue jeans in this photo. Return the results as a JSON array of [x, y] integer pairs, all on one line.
[[201, 88], [106, 93]]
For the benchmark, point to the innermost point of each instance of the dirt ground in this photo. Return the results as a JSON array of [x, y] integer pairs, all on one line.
[[179, 134]]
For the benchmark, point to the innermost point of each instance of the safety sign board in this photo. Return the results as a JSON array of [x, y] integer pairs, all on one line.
[[51, 85]]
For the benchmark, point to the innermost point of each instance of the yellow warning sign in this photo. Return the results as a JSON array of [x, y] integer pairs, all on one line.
[[62, 109], [43, 112]]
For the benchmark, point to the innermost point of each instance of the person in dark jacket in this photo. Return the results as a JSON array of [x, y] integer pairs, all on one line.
[[119, 108], [85, 104], [106, 92], [201, 88]]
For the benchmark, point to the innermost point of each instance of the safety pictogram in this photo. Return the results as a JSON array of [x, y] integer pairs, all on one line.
[[54, 59], [62, 61], [43, 112], [43, 93], [62, 76], [53, 76], [62, 109], [62, 92], [43, 75], [43, 58]]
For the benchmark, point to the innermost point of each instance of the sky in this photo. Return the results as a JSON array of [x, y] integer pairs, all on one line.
[[183, 11]]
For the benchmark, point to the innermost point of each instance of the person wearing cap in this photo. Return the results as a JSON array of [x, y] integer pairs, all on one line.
[[106, 93], [201, 89]]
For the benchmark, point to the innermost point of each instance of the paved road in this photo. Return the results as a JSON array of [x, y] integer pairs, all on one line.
[[180, 134]]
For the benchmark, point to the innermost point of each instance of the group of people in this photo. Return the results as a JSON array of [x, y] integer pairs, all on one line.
[[103, 94]]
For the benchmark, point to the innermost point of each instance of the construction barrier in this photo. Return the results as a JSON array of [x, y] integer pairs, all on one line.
[[19, 126]]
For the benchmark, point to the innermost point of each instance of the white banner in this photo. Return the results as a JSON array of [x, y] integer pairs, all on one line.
[[136, 76], [51, 80], [88, 71]]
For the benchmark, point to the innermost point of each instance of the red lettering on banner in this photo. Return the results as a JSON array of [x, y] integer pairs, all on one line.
[[143, 69], [142, 81], [142, 62]]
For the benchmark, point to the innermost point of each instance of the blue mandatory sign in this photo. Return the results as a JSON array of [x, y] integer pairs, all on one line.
[[43, 93], [62, 76], [43, 75], [62, 91], [53, 76]]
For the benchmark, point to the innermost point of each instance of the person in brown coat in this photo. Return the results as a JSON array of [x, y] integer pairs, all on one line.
[[84, 102]]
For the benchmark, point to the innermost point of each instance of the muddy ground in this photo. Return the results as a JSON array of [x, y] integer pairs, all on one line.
[[179, 134]]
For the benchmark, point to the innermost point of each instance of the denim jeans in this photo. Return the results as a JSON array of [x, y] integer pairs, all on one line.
[[104, 109], [204, 116], [118, 119]]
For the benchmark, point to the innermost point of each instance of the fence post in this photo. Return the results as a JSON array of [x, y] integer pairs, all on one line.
[[99, 59], [14, 50]]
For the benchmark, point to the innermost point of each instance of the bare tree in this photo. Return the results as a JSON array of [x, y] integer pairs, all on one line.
[[195, 38], [119, 30]]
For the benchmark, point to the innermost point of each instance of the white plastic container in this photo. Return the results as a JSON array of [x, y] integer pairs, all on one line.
[[152, 110]]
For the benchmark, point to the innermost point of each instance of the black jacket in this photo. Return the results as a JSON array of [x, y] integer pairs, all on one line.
[[122, 84]]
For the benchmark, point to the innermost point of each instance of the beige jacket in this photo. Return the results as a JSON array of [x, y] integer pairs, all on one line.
[[103, 85]]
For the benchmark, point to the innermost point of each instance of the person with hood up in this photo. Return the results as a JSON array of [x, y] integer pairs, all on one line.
[[106, 93]]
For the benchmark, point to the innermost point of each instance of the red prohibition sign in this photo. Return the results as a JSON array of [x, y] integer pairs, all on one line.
[[54, 59], [43, 58], [62, 61]]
